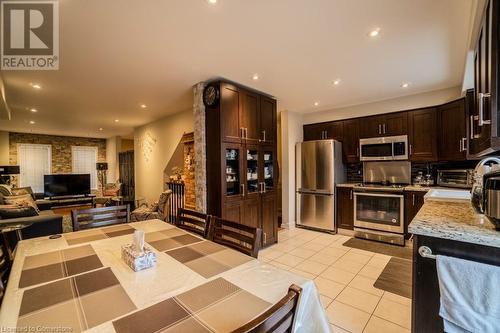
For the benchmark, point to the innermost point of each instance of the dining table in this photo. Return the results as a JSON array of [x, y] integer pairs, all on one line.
[[79, 282]]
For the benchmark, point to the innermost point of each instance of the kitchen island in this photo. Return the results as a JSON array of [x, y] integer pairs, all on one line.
[[450, 228]]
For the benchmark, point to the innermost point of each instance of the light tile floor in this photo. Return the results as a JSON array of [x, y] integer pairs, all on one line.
[[344, 277]]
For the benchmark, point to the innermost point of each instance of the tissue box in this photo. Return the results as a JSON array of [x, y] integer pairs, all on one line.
[[138, 260]]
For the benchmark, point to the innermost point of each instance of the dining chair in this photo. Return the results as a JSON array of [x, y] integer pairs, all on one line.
[[5, 265], [277, 319], [193, 221], [99, 217], [240, 237]]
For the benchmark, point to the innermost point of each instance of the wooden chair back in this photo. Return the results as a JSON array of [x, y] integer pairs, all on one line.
[[193, 221], [5, 264], [99, 217], [240, 237], [279, 318]]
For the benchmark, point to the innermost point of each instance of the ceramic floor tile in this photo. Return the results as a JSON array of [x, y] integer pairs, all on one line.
[[366, 284], [394, 312], [311, 267], [279, 265], [372, 272], [289, 260], [324, 259], [396, 298], [358, 299], [312, 245], [338, 275], [377, 325], [336, 329], [270, 253], [361, 258], [347, 317], [331, 251], [325, 301], [303, 274], [363, 252], [328, 287], [348, 265], [302, 253], [378, 261]]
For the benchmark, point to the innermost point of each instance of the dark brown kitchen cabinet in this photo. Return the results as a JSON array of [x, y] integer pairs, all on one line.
[[389, 124], [422, 135], [483, 116], [425, 294], [350, 140], [267, 123], [241, 159], [452, 134], [322, 131], [414, 200], [345, 208], [230, 113]]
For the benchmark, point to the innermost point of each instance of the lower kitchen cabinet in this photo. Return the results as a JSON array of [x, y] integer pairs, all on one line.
[[414, 200], [269, 218], [345, 208], [426, 295]]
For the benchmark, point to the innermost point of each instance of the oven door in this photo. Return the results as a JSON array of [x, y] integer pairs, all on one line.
[[379, 211]]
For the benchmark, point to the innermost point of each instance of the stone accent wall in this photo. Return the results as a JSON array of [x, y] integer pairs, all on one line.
[[61, 148], [189, 171], [200, 148]]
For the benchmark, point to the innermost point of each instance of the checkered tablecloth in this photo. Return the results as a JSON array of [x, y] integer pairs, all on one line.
[[80, 283]]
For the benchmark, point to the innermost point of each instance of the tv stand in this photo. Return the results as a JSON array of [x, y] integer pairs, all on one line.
[[67, 201]]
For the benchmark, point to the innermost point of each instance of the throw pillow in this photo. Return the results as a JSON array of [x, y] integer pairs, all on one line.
[[19, 191], [23, 200], [5, 190], [13, 211]]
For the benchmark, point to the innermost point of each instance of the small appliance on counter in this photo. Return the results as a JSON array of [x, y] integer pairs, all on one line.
[[491, 197], [483, 167], [457, 178]]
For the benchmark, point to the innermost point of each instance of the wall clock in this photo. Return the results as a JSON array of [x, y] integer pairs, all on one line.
[[211, 95]]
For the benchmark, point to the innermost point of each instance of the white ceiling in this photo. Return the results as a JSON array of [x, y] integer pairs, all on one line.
[[117, 54]]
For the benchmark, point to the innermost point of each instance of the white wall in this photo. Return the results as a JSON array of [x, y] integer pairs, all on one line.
[[154, 144], [291, 133], [4, 148], [390, 105]]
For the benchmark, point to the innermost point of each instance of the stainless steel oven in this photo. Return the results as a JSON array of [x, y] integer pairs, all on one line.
[[389, 148], [379, 216]]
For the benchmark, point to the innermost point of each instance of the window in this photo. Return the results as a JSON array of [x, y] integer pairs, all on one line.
[[34, 162], [84, 161]]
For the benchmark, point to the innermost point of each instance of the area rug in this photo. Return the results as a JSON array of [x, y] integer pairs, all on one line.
[[377, 247], [396, 277]]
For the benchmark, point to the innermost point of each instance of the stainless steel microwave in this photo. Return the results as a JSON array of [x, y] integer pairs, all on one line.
[[389, 148]]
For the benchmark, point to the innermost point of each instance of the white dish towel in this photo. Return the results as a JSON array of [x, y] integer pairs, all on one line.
[[470, 295]]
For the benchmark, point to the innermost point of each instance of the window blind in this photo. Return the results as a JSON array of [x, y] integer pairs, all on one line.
[[34, 162], [84, 161]]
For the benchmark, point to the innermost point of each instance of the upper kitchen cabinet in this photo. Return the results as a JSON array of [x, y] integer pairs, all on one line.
[[483, 115], [422, 135], [231, 128], [390, 124], [267, 120], [350, 140], [452, 134], [322, 131], [249, 116]]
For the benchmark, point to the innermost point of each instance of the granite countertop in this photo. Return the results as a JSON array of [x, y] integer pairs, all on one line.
[[455, 221], [347, 184], [406, 188]]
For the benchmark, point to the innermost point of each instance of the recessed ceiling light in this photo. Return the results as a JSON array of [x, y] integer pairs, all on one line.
[[33, 110], [405, 85], [32, 122], [143, 106], [101, 129], [212, 2], [117, 120], [35, 85], [374, 33], [336, 82], [255, 77], [316, 103]]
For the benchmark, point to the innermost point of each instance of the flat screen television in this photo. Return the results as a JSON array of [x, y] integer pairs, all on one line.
[[66, 185]]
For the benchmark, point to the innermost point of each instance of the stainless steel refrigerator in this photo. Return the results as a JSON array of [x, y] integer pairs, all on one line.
[[318, 168]]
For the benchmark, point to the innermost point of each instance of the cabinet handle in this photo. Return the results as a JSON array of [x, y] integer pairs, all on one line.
[[413, 200], [411, 150], [242, 134], [482, 122], [246, 133], [264, 135], [464, 144], [460, 147], [471, 123], [379, 129], [326, 134], [242, 190], [265, 238], [350, 194], [383, 128]]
